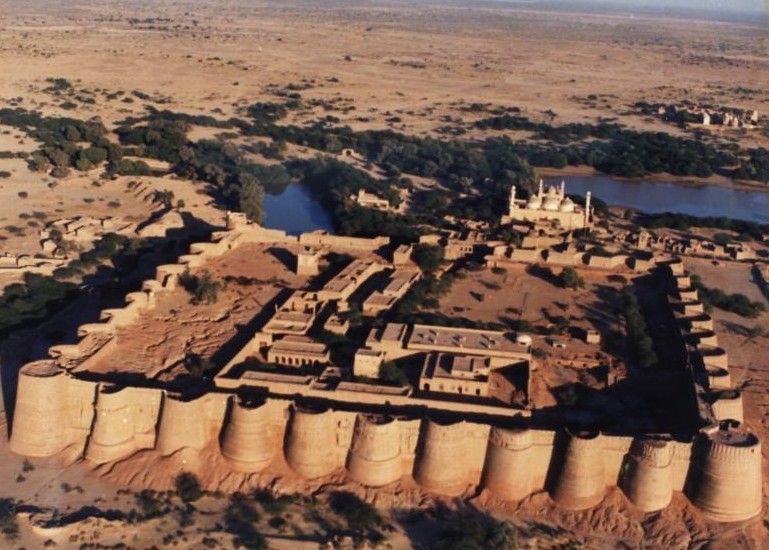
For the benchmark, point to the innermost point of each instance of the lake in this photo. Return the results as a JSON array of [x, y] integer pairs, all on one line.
[[295, 211], [654, 198]]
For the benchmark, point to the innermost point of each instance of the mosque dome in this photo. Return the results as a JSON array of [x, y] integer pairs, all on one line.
[[552, 200], [567, 205], [534, 202]]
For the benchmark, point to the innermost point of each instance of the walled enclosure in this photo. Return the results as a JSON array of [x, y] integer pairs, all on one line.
[[720, 470]]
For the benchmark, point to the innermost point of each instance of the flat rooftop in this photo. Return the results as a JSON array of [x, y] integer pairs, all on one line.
[[480, 342], [299, 345], [349, 275]]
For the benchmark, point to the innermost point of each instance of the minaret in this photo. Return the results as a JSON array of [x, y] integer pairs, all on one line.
[[541, 188], [511, 211], [563, 189], [587, 210]]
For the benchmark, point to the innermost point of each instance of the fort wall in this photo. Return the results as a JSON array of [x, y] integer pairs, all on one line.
[[575, 468], [41, 403], [647, 478], [436, 467], [187, 423], [310, 442], [374, 458], [579, 480], [506, 470], [248, 439], [112, 436], [725, 481], [720, 472]]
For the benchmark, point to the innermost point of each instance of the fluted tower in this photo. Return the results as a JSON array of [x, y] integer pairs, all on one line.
[[112, 435], [247, 441], [647, 477], [579, 483], [725, 476], [41, 420], [183, 424], [439, 467], [507, 470], [374, 458], [310, 442]]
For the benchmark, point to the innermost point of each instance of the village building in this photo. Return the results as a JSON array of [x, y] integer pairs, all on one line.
[[298, 351], [370, 200], [458, 374]]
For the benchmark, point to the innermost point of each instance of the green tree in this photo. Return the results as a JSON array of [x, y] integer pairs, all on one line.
[[188, 487], [358, 513], [8, 525], [429, 258], [476, 531], [252, 198], [390, 372], [570, 278]]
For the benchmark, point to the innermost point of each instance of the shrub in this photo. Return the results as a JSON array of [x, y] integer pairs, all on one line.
[[205, 289], [188, 487], [358, 514], [475, 531], [570, 278], [8, 525], [390, 372], [271, 504]]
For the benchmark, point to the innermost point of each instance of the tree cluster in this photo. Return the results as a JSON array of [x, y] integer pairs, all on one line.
[[639, 342], [735, 303]]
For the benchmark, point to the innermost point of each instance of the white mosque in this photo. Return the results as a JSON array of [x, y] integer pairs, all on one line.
[[546, 206]]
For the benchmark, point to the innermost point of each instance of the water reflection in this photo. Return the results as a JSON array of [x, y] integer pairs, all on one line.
[[295, 211], [707, 200]]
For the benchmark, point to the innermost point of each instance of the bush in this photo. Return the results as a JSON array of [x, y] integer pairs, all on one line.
[[475, 531], [271, 504], [358, 514], [735, 303], [8, 526], [428, 258], [390, 372], [188, 487], [205, 289], [570, 278]]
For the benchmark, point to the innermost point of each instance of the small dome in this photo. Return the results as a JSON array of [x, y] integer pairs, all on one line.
[[551, 203], [567, 205], [534, 202], [523, 339], [551, 192]]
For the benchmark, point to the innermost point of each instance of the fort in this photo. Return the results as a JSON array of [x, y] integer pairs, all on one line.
[[280, 399]]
